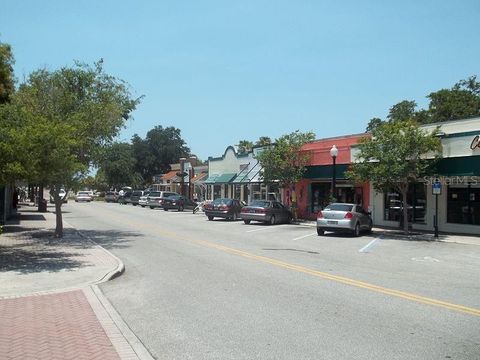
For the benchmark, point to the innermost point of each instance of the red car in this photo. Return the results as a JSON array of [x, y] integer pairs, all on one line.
[[223, 208]]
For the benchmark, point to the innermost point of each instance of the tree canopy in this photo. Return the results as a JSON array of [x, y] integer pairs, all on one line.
[[72, 113], [160, 148], [283, 161], [7, 79], [459, 102]]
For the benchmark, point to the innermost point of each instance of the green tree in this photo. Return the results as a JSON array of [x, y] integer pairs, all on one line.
[[75, 112], [118, 166], [7, 80], [451, 104], [373, 123], [244, 146], [160, 148], [284, 161], [263, 141], [404, 110], [398, 154]]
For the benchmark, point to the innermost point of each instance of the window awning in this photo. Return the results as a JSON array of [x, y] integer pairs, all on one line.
[[326, 171], [220, 178]]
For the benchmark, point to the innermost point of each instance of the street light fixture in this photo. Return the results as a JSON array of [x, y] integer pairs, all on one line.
[[333, 154]]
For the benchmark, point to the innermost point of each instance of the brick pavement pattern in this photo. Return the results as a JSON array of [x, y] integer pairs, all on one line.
[[54, 326]]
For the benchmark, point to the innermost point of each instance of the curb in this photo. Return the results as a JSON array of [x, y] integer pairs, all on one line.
[[111, 274], [120, 328]]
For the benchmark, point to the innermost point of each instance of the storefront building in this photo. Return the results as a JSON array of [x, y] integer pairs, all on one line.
[[237, 176], [458, 176], [314, 191]]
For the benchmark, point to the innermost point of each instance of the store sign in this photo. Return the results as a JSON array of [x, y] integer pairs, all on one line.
[[475, 145]]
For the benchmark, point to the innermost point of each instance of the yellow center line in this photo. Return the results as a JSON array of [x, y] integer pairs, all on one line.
[[323, 275]]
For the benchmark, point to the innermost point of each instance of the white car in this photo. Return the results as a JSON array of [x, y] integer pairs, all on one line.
[[63, 196], [83, 196]]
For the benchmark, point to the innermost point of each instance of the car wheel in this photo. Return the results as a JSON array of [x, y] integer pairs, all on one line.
[[152, 207], [272, 220], [320, 232], [356, 231], [210, 218], [165, 209], [142, 206], [246, 221]]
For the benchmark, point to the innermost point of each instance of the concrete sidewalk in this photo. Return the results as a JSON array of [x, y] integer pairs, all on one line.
[[50, 306]]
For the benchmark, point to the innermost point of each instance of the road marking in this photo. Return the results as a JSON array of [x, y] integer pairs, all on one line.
[[262, 228], [339, 279], [371, 244], [344, 280], [304, 236]]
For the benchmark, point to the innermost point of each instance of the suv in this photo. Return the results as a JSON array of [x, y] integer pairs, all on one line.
[[155, 198], [136, 195]]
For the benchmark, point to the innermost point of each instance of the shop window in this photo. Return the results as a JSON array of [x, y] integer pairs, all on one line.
[[463, 205], [320, 196], [416, 204]]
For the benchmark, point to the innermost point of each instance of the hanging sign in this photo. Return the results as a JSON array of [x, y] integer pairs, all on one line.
[[475, 145]]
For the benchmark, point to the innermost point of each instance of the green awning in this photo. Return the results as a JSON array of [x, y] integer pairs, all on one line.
[[220, 178], [224, 178], [211, 179], [459, 166], [325, 171]]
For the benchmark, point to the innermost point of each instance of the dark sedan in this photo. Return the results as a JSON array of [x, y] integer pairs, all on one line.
[[178, 202], [223, 208], [270, 212]]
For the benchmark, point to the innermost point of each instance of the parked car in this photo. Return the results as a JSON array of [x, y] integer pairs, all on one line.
[[178, 202], [341, 217], [155, 198], [125, 198], [270, 212], [142, 201], [135, 197], [223, 208], [63, 195], [111, 196], [83, 196]]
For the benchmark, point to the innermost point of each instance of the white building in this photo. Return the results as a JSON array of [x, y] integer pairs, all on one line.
[[238, 176]]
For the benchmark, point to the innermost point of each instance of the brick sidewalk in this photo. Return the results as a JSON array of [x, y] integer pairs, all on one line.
[[56, 326], [50, 307]]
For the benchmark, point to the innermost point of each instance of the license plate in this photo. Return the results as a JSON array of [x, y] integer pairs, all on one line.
[[332, 222]]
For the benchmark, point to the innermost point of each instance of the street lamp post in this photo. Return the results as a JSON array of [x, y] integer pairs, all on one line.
[[333, 154], [182, 176]]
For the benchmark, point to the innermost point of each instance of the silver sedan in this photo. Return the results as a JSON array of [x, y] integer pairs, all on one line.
[[344, 217]]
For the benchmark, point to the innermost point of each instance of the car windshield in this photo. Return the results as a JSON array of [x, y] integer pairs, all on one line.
[[260, 203], [154, 193], [339, 207], [83, 193], [137, 193]]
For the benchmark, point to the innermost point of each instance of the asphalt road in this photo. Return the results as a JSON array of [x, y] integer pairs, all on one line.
[[195, 289]]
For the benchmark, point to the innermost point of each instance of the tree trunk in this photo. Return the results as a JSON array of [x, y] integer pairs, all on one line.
[[58, 211], [405, 211], [58, 214]]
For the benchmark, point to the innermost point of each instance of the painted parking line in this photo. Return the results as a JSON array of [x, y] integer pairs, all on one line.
[[261, 229], [370, 245], [304, 236]]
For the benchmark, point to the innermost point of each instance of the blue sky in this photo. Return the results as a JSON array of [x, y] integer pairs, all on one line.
[[223, 71]]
